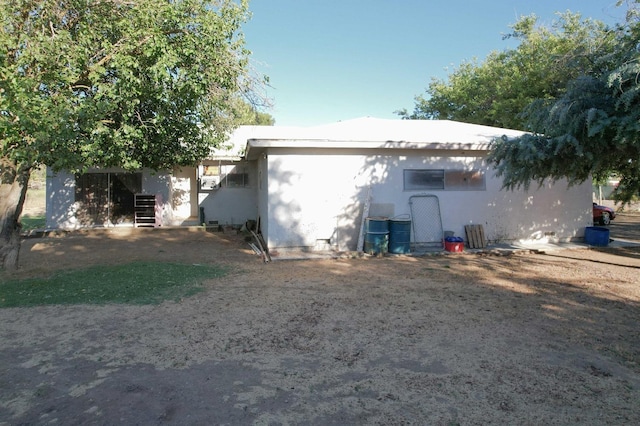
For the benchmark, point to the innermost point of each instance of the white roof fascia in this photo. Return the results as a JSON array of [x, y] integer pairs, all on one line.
[[257, 146], [224, 158], [373, 133]]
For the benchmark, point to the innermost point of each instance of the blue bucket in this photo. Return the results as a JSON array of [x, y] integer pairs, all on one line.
[[376, 238], [596, 236], [399, 236]]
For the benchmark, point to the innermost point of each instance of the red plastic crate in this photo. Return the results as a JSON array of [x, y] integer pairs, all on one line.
[[454, 247]]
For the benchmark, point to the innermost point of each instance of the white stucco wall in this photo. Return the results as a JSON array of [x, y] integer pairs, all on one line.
[[60, 203], [556, 212], [184, 195], [229, 206], [313, 197], [320, 196], [232, 205], [263, 194]]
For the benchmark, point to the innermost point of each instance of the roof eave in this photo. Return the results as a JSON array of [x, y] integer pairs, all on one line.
[[257, 146]]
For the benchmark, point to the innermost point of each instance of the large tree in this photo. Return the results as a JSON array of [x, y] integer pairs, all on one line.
[[247, 113], [121, 83], [496, 91], [591, 129]]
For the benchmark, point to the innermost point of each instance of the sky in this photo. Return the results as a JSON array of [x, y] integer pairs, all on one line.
[[334, 60]]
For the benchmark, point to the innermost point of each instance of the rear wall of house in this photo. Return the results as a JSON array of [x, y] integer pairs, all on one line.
[[319, 197]]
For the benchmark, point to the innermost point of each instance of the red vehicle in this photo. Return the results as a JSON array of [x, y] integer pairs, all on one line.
[[603, 215]]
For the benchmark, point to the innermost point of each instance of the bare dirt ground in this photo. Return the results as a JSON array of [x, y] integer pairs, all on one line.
[[450, 339]]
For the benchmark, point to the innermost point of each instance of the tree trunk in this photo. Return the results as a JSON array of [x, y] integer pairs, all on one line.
[[13, 191]]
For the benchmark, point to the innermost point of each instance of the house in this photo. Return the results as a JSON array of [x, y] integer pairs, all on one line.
[[307, 187]]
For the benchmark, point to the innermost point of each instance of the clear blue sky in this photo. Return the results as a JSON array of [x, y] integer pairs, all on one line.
[[332, 60]]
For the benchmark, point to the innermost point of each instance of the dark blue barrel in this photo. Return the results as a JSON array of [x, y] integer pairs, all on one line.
[[376, 237], [399, 236], [596, 236]]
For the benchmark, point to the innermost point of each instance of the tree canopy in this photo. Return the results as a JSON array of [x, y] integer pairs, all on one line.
[[113, 83], [246, 113], [495, 91], [590, 129], [116, 83]]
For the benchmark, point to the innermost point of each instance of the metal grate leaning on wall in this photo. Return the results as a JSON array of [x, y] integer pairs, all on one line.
[[426, 220]]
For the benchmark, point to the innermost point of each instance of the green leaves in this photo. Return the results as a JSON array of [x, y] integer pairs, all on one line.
[[592, 129], [496, 91], [127, 84]]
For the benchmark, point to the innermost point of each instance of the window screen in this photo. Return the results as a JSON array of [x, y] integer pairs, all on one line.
[[223, 175], [234, 177], [464, 180], [451, 180], [423, 179]]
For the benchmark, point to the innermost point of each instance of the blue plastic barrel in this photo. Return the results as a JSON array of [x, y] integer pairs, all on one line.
[[399, 236], [596, 236], [376, 237]]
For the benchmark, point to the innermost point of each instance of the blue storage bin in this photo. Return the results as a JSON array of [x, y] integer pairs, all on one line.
[[596, 236]]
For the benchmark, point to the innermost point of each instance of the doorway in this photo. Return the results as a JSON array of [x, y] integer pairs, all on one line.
[[106, 199]]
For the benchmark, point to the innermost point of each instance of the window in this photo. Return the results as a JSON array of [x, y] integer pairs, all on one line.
[[423, 179], [234, 177], [450, 180], [464, 180], [106, 197], [213, 177], [209, 178]]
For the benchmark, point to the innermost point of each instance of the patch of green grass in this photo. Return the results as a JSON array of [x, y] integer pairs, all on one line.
[[30, 223], [140, 283]]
